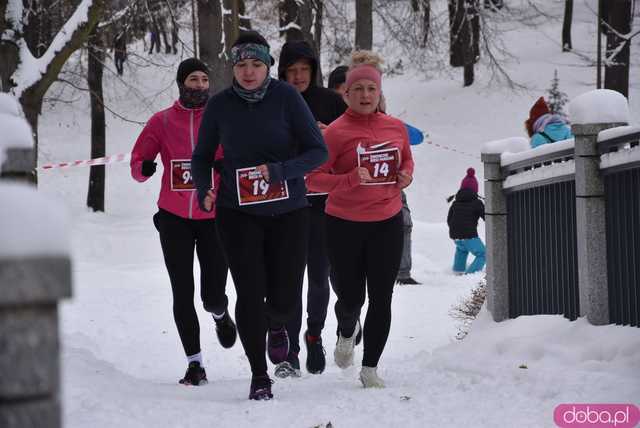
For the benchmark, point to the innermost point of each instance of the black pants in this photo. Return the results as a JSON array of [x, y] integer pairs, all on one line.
[[266, 257], [318, 288], [365, 257], [178, 237]]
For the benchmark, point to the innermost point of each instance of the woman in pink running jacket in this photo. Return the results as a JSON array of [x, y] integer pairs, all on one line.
[[181, 224], [369, 163]]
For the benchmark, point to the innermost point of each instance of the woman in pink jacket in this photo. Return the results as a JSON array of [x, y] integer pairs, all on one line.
[[182, 225], [369, 163]]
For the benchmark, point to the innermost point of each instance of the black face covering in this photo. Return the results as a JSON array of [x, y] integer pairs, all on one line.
[[193, 98]]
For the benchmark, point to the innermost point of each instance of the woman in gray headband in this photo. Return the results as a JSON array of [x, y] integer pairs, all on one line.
[[270, 142]]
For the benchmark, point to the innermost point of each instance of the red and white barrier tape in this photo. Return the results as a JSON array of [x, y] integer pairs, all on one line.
[[125, 157], [120, 157]]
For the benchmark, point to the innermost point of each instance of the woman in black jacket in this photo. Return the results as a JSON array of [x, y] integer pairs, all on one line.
[[270, 141], [463, 226]]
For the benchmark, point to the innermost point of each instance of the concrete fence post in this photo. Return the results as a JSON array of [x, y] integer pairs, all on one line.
[[496, 238], [29, 346], [591, 223]]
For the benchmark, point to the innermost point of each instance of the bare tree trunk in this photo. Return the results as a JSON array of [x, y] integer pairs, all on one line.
[[289, 19], [616, 69], [194, 28], [464, 49], [364, 24], [426, 21], [245, 22], [566, 26], [95, 194], [213, 51], [318, 8], [10, 56], [468, 75]]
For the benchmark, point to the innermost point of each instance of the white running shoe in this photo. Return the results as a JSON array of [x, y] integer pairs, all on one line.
[[343, 354], [369, 378]]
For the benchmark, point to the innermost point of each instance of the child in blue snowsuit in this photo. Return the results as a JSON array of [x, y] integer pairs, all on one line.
[[462, 219], [545, 127]]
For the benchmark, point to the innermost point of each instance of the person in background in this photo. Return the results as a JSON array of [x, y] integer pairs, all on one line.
[[370, 162], [270, 141], [404, 277], [462, 219], [337, 78], [179, 220], [545, 127], [298, 66]]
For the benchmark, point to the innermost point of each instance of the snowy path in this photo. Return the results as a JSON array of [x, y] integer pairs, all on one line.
[[122, 356]]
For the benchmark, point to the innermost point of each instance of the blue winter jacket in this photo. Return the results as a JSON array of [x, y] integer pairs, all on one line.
[[555, 131], [279, 131]]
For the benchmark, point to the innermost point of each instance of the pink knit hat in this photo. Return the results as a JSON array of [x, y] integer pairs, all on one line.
[[364, 71], [469, 181]]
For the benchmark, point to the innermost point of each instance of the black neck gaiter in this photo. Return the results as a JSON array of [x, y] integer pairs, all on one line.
[[193, 98]]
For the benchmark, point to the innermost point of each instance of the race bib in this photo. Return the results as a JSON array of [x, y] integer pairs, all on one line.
[[254, 189], [381, 164], [181, 177]]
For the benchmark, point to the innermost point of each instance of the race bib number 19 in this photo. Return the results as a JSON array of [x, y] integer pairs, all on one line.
[[254, 189], [381, 164]]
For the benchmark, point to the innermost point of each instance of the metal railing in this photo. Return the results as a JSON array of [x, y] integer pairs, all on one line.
[[622, 206], [563, 228]]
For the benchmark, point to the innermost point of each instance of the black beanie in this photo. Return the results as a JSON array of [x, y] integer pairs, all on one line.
[[187, 67], [337, 76], [252, 37]]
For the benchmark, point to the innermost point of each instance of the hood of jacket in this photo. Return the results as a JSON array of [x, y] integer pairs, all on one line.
[[295, 51]]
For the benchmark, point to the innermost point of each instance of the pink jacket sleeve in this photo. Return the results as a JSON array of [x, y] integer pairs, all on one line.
[[324, 181], [147, 147]]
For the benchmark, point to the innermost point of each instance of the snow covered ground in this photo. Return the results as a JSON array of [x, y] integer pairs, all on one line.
[[121, 354]]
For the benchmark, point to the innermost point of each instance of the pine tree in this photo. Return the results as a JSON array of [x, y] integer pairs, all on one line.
[[556, 99]]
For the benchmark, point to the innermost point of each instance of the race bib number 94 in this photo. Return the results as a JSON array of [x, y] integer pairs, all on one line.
[[381, 164], [254, 189], [181, 177]]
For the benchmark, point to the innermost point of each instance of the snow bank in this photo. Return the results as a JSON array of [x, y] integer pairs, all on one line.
[[545, 342], [599, 106], [512, 145], [16, 132], [31, 224]]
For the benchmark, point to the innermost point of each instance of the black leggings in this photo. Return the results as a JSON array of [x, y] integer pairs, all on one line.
[[365, 257], [178, 237], [318, 280], [266, 257]]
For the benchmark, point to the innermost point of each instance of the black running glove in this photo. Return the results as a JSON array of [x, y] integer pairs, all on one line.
[[148, 168]]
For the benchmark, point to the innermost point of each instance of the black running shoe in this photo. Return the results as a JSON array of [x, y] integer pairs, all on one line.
[[316, 361], [226, 331], [407, 281], [195, 375], [289, 368], [278, 345], [260, 388]]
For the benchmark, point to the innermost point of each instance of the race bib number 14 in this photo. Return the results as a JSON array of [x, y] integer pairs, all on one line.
[[381, 164], [254, 189]]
